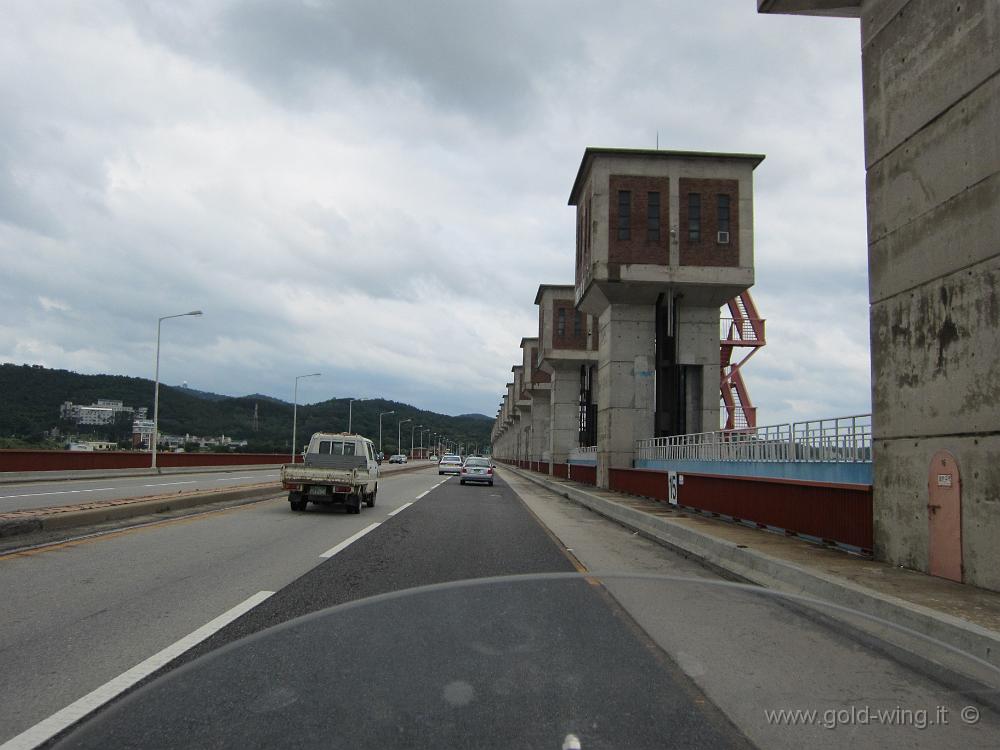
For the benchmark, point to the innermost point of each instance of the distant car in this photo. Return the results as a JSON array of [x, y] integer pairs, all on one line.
[[450, 464], [477, 469], [432, 458], [397, 458], [380, 457]]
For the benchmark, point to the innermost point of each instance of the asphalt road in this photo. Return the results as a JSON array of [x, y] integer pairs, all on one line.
[[689, 661], [43, 494]]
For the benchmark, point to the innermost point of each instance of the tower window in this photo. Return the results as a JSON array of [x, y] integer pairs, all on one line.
[[694, 217], [653, 217], [722, 210], [624, 214]]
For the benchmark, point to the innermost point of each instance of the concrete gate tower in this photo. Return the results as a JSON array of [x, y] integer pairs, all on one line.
[[664, 239]]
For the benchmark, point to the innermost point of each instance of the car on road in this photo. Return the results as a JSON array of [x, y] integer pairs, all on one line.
[[432, 457], [477, 469], [450, 464], [397, 458]]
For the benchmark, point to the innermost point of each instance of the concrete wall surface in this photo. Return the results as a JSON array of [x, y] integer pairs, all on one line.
[[932, 142]]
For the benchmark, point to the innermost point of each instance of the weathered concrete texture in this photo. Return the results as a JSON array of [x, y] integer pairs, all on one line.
[[901, 521], [698, 344], [931, 55], [564, 429], [932, 108], [541, 411], [911, 255], [935, 356], [625, 376], [940, 161]]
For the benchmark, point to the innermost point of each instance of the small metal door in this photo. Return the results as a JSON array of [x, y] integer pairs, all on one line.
[[944, 517]]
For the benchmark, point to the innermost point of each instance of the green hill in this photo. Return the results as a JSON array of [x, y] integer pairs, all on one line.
[[30, 396]]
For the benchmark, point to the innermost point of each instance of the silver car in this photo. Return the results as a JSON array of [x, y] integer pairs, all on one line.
[[477, 469], [450, 464]]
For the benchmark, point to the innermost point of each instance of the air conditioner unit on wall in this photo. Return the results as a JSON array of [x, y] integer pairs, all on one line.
[[723, 238]]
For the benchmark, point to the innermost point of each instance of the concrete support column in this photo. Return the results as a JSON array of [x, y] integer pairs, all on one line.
[[698, 346], [564, 425], [625, 376], [541, 411]]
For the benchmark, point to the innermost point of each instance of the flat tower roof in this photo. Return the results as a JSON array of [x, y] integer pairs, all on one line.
[[591, 152]]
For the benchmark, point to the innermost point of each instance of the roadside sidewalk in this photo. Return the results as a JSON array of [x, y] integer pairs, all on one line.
[[961, 616]]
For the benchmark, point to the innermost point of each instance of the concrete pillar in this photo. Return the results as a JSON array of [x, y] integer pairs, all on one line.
[[541, 412], [625, 376], [564, 430], [698, 347]]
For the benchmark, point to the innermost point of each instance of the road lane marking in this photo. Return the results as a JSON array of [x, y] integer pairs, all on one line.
[[74, 712], [167, 484], [401, 508], [342, 546], [58, 492], [421, 495]]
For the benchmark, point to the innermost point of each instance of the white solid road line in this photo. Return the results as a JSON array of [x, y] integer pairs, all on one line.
[[59, 492], [421, 495], [401, 508], [57, 722], [342, 546]]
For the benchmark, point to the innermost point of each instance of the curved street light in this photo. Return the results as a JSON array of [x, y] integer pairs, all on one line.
[[295, 408], [399, 434], [156, 389], [383, 414]]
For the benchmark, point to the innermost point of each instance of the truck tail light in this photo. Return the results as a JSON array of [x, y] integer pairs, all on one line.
[[291, 486]]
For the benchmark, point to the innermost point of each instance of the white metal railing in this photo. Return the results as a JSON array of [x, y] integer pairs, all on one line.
[[585, 453], [836, 440]]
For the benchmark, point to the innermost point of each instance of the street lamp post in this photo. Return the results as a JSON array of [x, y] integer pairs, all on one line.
[[295, 408], [422, 451], [399, 434], [383, 414], [156, 388], [350, 414], [412, 428]]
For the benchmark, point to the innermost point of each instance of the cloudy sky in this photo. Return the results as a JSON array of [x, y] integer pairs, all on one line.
[[375, 190]]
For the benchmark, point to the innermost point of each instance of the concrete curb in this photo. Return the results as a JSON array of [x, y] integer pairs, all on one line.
[[770, 572]]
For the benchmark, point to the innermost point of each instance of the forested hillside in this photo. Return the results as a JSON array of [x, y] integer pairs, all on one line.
[[30, 397]]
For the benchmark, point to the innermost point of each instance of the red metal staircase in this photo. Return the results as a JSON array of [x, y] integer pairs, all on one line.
[[744, 329]]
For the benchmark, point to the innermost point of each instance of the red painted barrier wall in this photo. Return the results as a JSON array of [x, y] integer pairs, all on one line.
[[559, 470], [642, 482], [833, 512], [583, 474], [21, 460]]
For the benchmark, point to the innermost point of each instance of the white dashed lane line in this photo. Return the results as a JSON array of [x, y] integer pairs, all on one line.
[[349, 541], [59, 492], [400, 509], [57, 722]]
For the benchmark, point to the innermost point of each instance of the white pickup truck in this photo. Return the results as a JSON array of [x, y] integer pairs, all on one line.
[[338, 468]]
